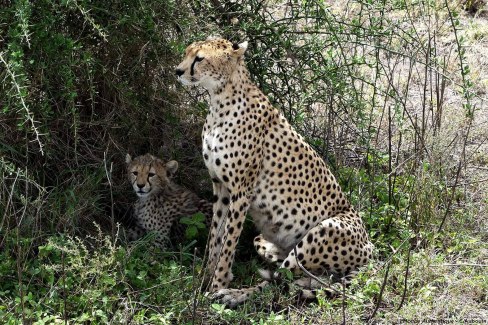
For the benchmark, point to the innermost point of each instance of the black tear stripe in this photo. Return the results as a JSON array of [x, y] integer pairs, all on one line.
[[197, 59]]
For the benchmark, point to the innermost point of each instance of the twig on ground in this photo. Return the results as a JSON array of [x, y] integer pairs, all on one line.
[[195, 301], [460, 264], [109, 178], [407, 269], [65, 312], [343, 301], [381, 294]]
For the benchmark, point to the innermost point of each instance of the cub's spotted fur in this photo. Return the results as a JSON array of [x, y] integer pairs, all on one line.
[[160, 201]]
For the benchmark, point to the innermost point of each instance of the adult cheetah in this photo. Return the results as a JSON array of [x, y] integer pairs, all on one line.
[[161, 202], [260, 165]]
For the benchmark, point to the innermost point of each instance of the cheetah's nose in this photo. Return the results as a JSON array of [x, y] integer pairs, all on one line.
[[140, 185], [179, 72]]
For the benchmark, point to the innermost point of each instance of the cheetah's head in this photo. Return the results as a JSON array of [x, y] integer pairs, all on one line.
[[148, 174], [210, 63]]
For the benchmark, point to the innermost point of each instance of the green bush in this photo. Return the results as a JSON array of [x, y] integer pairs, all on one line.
[[99, 282]]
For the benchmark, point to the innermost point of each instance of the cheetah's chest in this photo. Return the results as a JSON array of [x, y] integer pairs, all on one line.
[[213, 150]]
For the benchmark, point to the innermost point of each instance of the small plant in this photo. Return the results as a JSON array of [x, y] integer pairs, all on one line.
[[272, 319], [195, 224]]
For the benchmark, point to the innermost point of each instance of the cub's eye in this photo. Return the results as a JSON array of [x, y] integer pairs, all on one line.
[[151, 174], [198, 59], [134, 173]]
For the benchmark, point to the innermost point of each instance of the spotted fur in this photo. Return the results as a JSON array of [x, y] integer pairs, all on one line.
[[160, 202], [260, 165]]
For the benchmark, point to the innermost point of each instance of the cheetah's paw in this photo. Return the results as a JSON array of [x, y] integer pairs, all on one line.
[[232, 297]]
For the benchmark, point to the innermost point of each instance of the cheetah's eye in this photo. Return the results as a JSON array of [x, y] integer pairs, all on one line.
[[151, 174], [134, 173], [198, 59]]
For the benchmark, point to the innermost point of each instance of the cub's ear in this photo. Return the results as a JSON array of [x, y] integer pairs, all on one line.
[[128, 159], [240, 49], [171, 167]]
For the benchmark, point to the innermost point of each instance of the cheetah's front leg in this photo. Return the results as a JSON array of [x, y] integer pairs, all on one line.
[[220, 210], [228, 239]]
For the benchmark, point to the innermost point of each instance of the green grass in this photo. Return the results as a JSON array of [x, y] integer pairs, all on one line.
[[101, 283]]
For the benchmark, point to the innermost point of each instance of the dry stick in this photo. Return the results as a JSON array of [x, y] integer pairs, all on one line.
[[109, 178], [19, 276], [437, 80], [29, 114], [381, 293], [424, 92], [391, 183], [375, 89], [206, 258], [7, 207], [470, 123], [413, 120], [460, 264], [181, 278], [343, 301], [390, 189], [64, 288], [388, 263], [342, 51], [469, 183], [180, 250], [440, 98], [431, 82], [226, 15], [406, 278], [195, 302], [475, 150], [19, 253]]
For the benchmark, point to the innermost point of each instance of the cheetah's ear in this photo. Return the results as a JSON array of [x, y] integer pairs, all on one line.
[[240, 49], [128, 159], [171, 167]]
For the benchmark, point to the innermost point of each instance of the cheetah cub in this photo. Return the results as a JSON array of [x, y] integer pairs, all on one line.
[[260, 165], [160, 201]]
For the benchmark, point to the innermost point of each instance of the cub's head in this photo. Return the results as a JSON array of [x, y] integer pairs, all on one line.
[[148, 174], [210, 63]]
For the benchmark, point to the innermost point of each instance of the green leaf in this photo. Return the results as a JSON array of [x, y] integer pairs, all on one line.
[[200, 225], [199, 216], [186, 221], [218, 307], [286, 273], [191, 232]]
